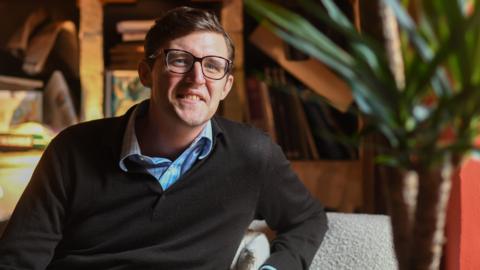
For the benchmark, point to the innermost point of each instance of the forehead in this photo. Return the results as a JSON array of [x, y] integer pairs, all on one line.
[[200, 43]]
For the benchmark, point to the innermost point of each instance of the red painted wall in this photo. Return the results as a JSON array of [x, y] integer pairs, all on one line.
[[462, 250]]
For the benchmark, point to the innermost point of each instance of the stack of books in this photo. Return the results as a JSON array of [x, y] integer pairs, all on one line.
[[22, 142], [21, 115], [129, 52], [298, 119], [134, 30]]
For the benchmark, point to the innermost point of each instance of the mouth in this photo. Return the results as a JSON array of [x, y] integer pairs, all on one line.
[[192, 97]]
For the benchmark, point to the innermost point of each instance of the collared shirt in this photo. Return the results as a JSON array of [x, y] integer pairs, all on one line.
[[163, 169]]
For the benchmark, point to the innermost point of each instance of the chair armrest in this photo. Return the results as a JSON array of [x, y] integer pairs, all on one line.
[[353, 241], [356, 241]]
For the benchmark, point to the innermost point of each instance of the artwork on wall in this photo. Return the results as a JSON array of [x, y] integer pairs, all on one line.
[[19, 106], [123, 89]]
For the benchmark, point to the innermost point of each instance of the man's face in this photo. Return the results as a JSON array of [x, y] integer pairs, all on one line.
[[188, 99]]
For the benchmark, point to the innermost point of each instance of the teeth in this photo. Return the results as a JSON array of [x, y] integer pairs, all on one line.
[[192, 97]]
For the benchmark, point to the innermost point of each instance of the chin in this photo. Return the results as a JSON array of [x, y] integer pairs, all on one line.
[[194, 121], [194, 118]]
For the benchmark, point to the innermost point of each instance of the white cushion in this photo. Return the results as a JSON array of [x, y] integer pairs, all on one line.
[[356, 241]]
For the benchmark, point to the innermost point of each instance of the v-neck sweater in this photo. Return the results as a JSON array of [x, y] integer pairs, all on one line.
[[81, 211]]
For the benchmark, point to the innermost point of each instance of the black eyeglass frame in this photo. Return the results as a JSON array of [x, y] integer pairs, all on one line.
[[195, 59]]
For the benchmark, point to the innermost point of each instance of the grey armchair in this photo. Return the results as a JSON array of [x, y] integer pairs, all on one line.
[[353, 242]]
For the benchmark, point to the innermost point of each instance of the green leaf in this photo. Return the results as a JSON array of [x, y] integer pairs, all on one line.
[[419, 82], [439, 82], [366, 51], [474, 20], [294, 23], [445, 39], [313, 50]]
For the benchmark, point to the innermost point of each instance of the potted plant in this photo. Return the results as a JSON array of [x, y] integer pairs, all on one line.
[[420, 90]]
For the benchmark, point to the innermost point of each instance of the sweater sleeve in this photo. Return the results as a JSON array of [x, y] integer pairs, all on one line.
[[289, 209], [35, 226]]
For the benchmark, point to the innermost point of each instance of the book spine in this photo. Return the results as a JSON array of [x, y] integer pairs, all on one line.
[[18, 142]]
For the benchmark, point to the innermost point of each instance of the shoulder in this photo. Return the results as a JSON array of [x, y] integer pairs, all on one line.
[[95, 132], [244, 137], [88, 129], [237, 130]]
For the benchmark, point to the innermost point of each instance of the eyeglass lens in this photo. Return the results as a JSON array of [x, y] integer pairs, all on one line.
[[181, 62]]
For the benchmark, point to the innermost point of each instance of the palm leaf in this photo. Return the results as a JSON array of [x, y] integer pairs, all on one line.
[[411, 127], [439, 82], [364, 50], [374, 98]]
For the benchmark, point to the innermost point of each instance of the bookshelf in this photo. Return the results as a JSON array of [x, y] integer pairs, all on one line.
[[38, 69], [99, 36], [339, 184]]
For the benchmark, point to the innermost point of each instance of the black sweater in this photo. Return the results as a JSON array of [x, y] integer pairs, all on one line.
[[81, 211]]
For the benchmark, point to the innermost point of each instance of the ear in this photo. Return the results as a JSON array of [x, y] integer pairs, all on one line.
[[144, 72], [227, 87]]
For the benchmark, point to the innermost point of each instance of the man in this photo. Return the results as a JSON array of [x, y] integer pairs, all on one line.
[[167, 185]]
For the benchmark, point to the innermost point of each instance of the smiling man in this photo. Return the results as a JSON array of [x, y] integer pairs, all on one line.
[[168, 185]]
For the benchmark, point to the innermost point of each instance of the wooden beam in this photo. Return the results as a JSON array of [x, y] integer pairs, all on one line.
[[91, 58], [235, 105], [311, 72], [105, 2]]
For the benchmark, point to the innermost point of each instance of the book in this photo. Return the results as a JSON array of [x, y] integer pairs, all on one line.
[[267, 110], [123, 89], [105, 2], [323, 120], [18, 83], [133, 36], [21, 142], [127, 47], [126, 55], [260, 106], [311, 72], [307, 142], [134, 26], [26, 136], [282, 118]]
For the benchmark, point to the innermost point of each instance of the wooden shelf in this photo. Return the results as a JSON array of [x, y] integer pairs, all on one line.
[[337, 184]]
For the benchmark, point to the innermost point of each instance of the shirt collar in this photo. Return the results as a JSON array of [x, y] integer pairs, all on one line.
[[207, 136], [131, 147]]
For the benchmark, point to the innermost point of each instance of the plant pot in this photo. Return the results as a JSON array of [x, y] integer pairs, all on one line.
[[417, 200]]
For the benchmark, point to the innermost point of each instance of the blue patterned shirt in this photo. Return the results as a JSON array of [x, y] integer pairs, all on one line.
[[163, 169]]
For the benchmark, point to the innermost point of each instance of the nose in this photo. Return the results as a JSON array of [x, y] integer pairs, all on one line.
[[197, 74]]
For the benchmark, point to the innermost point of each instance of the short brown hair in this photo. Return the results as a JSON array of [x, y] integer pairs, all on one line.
[[182, 21]]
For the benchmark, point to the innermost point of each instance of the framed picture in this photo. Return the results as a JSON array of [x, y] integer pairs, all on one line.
[[123, 89], [20, 106]]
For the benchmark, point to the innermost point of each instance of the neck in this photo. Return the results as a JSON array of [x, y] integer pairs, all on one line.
[[165, 137]]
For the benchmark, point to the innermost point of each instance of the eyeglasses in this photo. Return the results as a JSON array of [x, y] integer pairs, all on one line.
[[181, 62]]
